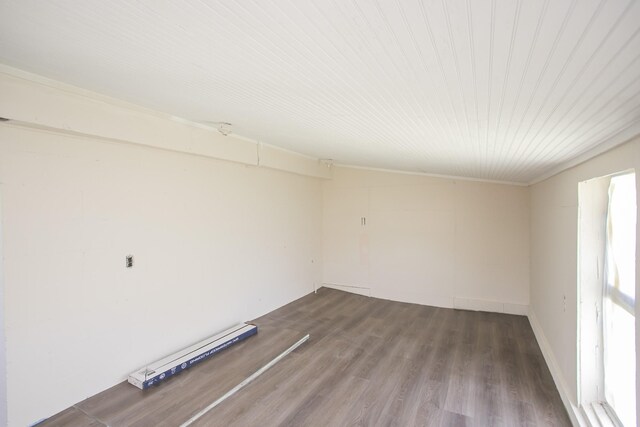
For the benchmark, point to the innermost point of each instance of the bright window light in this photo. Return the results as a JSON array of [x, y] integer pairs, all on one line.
[[619, 354]]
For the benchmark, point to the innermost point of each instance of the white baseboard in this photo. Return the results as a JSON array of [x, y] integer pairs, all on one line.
[[575, 414], [520, 309], [477, 305], [490, 306], [421, 298], [435, 300], [353, 289]]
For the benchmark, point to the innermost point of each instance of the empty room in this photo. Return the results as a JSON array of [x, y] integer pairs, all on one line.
[[319, 213]]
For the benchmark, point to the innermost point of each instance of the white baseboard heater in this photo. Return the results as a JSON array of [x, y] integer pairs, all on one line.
[[155, 372]]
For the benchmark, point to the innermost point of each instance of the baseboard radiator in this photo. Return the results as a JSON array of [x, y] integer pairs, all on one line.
[[155, 372]]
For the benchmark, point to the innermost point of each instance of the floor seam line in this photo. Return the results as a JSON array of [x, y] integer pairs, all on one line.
[[90, 416]]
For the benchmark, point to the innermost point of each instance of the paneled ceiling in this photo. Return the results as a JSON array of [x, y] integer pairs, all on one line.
[[492, 89]]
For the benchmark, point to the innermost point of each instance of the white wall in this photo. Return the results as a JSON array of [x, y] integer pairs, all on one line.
[[86, 180], [214, 243], [554, 226], [35, 101], [3, 349], [427, 240]]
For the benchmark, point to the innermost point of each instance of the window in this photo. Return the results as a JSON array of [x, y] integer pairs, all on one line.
[[606, 271], [619, 352]]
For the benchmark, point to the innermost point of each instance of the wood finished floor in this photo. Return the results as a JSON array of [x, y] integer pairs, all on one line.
[[369, 362]]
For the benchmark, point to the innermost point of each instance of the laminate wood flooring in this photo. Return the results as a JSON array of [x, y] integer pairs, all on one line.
[[368, 362]]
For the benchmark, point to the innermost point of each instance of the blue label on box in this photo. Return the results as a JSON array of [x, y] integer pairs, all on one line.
[[197, 359]]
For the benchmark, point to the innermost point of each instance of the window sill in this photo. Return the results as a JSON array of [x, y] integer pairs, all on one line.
[[597, 415]]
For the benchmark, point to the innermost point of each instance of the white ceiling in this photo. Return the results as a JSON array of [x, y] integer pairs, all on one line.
[[492, 89]]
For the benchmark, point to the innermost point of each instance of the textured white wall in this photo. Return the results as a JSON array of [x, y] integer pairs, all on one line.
[[554, 245], [214, 243], [428, 240]]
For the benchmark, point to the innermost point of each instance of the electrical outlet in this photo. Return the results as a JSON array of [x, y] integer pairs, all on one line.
[[129, 261], [564, 303]]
